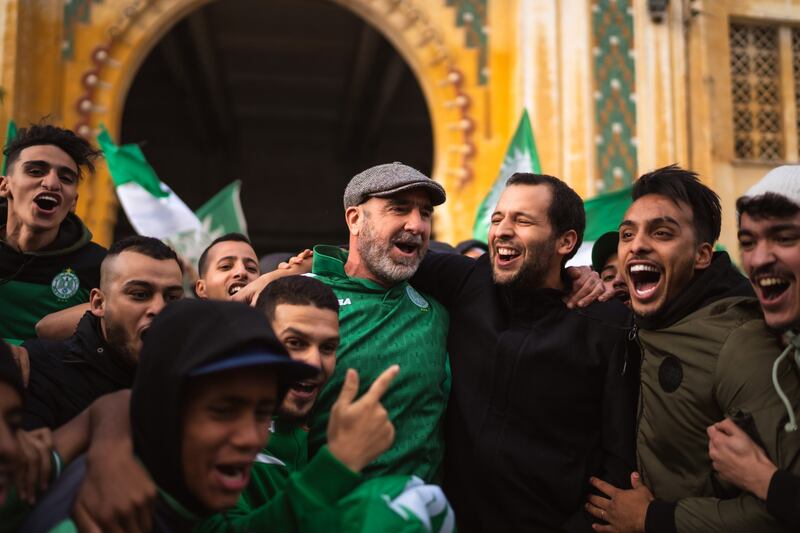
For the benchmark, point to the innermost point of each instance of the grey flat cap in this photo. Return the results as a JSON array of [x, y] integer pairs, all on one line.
[[386, 180]]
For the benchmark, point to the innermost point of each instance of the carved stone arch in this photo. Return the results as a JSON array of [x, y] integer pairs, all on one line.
[[108, 52]]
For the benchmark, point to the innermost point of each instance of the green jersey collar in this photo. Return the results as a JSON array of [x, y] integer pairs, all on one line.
[[329, 261]]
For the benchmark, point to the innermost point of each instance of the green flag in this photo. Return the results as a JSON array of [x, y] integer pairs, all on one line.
[[521, 156], [223, 213], [127, 164], [11, 132], [603, 214]]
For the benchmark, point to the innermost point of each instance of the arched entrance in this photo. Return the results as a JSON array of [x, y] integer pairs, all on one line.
[[291, 96], [109, 53]]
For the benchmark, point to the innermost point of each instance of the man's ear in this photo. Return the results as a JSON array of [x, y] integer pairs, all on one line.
[[97, 303], [4, 188], [200, 289], [704, 256], [352, 217], [566, 242], [74, 205]]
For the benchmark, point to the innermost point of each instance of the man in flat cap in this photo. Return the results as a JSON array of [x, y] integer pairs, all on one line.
[[384, 320]]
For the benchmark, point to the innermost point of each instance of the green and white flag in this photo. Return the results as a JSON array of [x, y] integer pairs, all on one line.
[[223, 213], [521, 156], [11, 132], [151, 206], [603, 214]]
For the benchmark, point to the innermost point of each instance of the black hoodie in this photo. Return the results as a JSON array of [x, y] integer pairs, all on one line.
[[67, 376], [185, 336]]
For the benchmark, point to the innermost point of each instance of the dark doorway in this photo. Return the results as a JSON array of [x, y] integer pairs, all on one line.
[[293, 97]]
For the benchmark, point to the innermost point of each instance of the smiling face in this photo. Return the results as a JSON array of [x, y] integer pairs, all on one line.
[[226, 418], [134, 288], [522, 248], [771, 259], [611, 276], [391, 235], [659, 251], [41, 188], [10, 423], [230, 266], [311, 335]]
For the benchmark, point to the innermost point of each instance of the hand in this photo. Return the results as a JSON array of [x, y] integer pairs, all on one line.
[[33, 471], [20, 356], [586, 287], [117, 493], [296, 266], [624, 510], [299, 259], [359, 431], [738, 459]]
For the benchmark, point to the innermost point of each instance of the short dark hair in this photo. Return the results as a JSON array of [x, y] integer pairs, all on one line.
[[566, 207], [767, 205], [202, 264], [149, 246], [296, 290], [681, 185], [75, 146]]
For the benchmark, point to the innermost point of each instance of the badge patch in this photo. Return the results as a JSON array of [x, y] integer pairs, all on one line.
[[65, 284], [670, 374], [416, 297]]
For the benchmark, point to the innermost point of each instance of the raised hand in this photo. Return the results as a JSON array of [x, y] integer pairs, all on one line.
[[360, 430]]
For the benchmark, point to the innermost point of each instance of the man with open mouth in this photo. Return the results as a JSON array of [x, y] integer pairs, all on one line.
[[706, 353], [543, 394], [47, 259], [225, 266], [138, 277], [769, 238], [605, 261]]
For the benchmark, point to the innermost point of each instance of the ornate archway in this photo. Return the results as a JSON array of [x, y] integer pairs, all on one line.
[[103, 57]]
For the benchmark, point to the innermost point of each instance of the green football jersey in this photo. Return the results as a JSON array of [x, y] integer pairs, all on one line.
[[380, 327]]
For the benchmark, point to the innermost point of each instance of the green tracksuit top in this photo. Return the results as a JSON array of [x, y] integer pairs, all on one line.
[[380, 327]]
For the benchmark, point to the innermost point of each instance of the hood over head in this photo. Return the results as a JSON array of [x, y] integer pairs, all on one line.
[[195, 337]]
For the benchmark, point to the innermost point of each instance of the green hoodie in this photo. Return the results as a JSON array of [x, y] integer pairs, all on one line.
[[35, 284]]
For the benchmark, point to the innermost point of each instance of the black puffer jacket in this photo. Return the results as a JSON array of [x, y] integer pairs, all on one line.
[[67, 376], [543, 398]]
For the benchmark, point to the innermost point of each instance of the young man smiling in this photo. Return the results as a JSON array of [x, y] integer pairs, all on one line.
[[707, 353], [543, 395], [210, 376], [769, 237], [225, 266], [47, 259]]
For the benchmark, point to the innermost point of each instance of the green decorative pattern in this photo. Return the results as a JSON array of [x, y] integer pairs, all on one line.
[[74, 11], [471, 15], [615, 101]]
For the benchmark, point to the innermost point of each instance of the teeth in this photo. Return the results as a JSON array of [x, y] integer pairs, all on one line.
[[506, 251], [235, 289], [643, 268], [769, 282]]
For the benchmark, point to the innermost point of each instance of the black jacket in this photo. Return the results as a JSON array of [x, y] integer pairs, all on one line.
[[543, 398], [67, 376], [783, 498]]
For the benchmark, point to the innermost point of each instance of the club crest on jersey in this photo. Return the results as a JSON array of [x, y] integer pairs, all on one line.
[[416, 297], [65, 284]]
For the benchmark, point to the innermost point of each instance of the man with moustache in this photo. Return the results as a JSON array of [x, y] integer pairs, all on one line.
[[225, 266], [769, 237], [48, 261], [707, 354], [138, 277], [543, 395], [383, 320]]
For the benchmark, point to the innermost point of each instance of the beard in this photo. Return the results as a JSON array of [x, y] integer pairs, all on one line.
[[121, 342], [533, 271], [378, 259]]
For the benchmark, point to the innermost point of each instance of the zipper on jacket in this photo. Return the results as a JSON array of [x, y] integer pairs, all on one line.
[[634, 336]]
